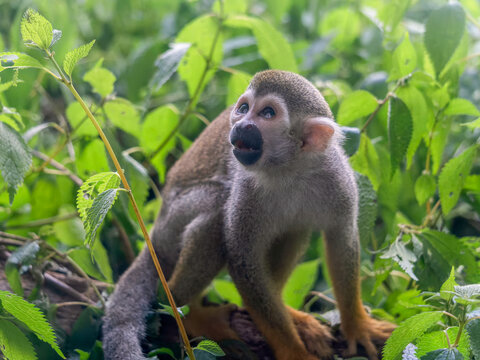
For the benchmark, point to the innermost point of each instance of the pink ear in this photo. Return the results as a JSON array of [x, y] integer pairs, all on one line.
[[317, 134]]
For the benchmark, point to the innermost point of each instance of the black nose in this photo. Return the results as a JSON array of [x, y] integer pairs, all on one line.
[[247, 142]]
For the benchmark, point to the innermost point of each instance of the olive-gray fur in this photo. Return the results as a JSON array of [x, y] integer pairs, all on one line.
[[217, 213]]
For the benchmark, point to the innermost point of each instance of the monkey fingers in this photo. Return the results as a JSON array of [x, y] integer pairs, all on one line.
[[316, 337], [213, 322], [369, 333]]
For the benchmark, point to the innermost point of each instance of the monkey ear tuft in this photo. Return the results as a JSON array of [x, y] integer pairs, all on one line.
[[317, 133]]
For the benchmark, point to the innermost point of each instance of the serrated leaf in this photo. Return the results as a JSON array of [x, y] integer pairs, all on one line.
[[415, 101], [93, 186], [14, 344], [443, 33], [73, 56], [200, 34], [446, 291], [351, 141], [437, 340], [425, 187], [453, 251], [15, 158], [272, 45], [124, 115], [402, 255], [16, 60], [210, 346], [356, 105], [468, 291], [101, 80], [473, 329], [13, 277], [31, 316], [97, 212], [443, 354], [404, 59], [459, 106], [167, 64], [400, 128], [408, 332], [56, 35], [300, 283], [36, 30], [452, 178], [367, 207]]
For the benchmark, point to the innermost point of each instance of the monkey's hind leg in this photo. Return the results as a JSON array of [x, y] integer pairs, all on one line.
[[201, 258]]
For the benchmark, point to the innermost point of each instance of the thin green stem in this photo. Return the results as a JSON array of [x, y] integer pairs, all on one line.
[[135, 208]]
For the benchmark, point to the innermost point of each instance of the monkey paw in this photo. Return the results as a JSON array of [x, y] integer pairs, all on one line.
[[316, 337], [369, 333]]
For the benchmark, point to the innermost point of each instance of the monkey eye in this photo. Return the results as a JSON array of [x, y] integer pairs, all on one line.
[[243, 109], [267, 112]]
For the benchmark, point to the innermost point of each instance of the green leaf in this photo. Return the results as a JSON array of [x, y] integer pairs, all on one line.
[[167, 64], [83, 258], [415, 101], [408, 332], [366, 161], [443, 33], [437, 340], [425, 187], [73, 56], [228, 291], [24, 255], [351, 141], [16, 60], [211, 347], [343, 25], [400, 128], [300, 283], [79, 121], [31, 316], [237, 84], [468, 291], [452, 178], [402, 255], [15, 158], [14, 344], [454, 251], [273, 47], [356, 105], [124, 115], [459, 106], [156, 128], [448, 287], [230, 6], [101, 80], [92, 158], [472, 183], [97, 212], [473, 329], [201, 34], [36, 30], [56, 36], [404, 60], [367, 207], [443, 354], [92, 187]]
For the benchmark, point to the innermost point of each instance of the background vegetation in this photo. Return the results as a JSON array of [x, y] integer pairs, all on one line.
[[403, 76]]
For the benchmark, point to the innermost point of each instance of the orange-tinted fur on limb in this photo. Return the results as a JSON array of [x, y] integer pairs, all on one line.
[[247, 194]]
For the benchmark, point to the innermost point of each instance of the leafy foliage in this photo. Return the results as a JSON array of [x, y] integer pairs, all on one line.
[[403, 75]]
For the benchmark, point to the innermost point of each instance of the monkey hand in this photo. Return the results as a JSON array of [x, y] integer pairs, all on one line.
[[367, 332], [315, 336]]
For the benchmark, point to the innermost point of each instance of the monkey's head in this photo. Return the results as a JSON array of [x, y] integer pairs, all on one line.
[[280, 118]]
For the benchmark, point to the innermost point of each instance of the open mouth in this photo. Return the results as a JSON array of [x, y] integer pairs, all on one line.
[[247, 143], [242, 146]]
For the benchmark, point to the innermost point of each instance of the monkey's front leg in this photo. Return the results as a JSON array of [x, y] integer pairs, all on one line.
[[343, 260]]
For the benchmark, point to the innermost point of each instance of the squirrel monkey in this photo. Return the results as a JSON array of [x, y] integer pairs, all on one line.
[[247, 194]]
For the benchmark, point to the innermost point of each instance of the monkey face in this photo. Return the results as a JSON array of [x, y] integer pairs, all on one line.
[[260, 131]]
